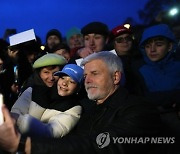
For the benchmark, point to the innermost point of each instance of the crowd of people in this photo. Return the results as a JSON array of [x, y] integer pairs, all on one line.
[[122, 87]]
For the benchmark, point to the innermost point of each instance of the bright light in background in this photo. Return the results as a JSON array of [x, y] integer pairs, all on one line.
[[42, 47], [127, 26], [173, 11]]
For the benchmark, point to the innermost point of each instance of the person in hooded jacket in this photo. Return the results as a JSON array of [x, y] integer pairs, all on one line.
[[158, 74]]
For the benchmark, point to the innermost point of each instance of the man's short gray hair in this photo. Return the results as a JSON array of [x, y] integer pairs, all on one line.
[[112, 61]]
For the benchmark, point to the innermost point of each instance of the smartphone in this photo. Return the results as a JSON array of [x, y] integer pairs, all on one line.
[[1, 114]]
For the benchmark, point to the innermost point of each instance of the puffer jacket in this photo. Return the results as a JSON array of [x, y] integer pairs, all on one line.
[[160, 81], [60, 113], [61, 123]]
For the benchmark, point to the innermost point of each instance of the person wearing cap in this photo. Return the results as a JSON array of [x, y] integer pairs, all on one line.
[[44, 68], [124, 45], [54, 112], [122, 39], [95, 36], [53, 37], [158, 74]]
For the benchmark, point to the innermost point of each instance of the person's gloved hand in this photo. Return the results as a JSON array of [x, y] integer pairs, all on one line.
[[31, 126]]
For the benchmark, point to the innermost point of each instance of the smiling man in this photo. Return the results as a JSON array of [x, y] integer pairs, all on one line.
[[122, 40], [95, 36]]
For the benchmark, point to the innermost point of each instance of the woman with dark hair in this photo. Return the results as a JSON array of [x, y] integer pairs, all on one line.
[[62, 49]]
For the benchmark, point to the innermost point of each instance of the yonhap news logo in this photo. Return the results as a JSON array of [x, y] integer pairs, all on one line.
[[144, 140], [103, 140]]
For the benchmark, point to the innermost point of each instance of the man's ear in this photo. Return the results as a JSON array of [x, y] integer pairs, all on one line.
[[117, 77], [170, 46]]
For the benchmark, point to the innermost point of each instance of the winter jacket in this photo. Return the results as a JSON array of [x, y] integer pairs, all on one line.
[[44, 104], [21, 106], [159, 81], [121, 115], [60, 123]]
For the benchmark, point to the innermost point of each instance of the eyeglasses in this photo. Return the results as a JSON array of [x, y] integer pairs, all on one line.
[[122, 39]]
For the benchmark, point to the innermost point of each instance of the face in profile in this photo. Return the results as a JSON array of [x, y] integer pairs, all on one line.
[[157, 48], [66, 86], [47, 75]]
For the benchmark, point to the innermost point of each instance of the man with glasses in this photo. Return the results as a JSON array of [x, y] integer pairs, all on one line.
[[124, 45], [122, 40]]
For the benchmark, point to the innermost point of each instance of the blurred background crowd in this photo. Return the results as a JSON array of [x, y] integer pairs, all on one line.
[[16, 61]]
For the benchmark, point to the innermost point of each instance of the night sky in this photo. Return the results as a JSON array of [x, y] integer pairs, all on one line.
[[42, 15]]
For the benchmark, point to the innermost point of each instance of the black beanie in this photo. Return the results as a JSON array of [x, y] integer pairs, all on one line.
[[95, 27], [54, 32]]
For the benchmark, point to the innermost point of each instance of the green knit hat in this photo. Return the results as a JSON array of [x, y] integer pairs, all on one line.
[[71, 32], [49, 60]]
